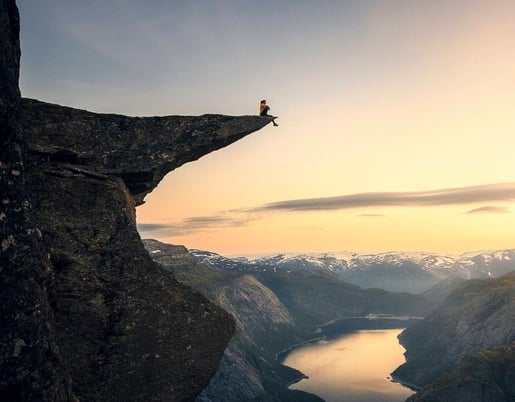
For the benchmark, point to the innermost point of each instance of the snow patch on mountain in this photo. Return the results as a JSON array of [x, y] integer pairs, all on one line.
[[395, 271]]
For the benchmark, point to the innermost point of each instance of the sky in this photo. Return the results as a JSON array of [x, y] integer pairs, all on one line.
[[396, 117]]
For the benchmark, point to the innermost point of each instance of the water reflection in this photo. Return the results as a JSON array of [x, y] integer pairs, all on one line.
[[352, 368]]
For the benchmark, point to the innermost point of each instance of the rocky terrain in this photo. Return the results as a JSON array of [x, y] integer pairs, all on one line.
[[486, 376], [86, 314], [395, 271], [273, 311], [469, 339]]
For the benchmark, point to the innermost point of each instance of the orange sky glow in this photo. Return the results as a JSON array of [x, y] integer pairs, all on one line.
[[372, 97]]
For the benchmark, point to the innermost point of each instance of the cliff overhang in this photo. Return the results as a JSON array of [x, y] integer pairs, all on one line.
[[86, 314], [139, 150]]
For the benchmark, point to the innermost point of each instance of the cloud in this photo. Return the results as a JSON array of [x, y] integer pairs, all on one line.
[[449, 196], [223, 219], [241, 217], [151, 227], [489, 209], [159, 230], [197, 224]]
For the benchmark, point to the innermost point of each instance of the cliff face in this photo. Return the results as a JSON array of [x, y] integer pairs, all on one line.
[[140, 151], [30, 366], [478, 316], [85, 312]]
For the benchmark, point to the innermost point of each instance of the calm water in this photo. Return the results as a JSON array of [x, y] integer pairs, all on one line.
[[352, 368]]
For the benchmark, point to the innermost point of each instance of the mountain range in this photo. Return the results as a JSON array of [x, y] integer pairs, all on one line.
[[274, 308], [461, 349], [393, 271], [87, 315]]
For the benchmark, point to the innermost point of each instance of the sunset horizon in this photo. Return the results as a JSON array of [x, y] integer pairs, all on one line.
[[230, 201], [371, 98]]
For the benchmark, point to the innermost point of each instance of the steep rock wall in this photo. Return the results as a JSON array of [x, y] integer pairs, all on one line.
[[85, 312], [30, 362]]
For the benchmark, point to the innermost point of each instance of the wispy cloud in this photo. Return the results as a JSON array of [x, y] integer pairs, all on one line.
[[241, 217], [160, 230], [152, 227], [197, 224], [449, 196], [489, 210]]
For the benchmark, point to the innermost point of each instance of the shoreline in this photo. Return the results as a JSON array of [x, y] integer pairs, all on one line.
[[281, 355], [410, 385], [303, 377]]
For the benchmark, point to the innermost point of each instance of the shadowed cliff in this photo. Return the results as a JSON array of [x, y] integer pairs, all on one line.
[[85, 312], [467, 345], [30, 364]]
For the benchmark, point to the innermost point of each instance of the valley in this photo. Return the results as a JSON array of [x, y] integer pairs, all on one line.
[[273, 310], [281, 301]]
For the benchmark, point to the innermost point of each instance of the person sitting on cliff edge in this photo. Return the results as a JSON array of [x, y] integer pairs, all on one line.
[[263, 110]]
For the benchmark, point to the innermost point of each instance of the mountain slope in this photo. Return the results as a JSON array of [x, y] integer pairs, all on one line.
[[479, 314], [249, 370], [486, 376], [317, 297], [273, 309], [439, 292]]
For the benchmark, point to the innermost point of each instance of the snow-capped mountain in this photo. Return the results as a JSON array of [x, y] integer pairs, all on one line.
[[393, 271], [274, 305]]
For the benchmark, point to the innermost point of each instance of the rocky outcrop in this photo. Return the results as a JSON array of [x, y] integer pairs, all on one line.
[[254, 307], [478, 315], [86, 314], [138, 150]]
